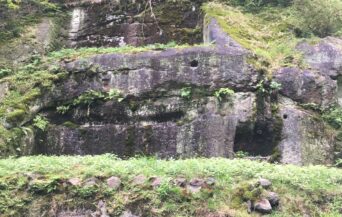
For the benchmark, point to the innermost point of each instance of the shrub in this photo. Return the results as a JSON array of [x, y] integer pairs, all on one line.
[[334, 117], [318, 17], [5, 72], [63, 109]]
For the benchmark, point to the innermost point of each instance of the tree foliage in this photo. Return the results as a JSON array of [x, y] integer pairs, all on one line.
[[318, 17]]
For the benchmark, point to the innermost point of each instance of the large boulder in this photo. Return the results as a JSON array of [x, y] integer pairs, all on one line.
[[325, 55], [306, 86]]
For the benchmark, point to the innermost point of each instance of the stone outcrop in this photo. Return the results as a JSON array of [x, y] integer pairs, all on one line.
[[325, 55], [168, 127], [170, 103], [306, 86], [154, 119]]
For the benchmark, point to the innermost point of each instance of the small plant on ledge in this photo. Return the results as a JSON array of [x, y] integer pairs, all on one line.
[[186, 92], [223, 93]]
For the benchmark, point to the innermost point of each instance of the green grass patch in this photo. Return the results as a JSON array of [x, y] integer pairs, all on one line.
[[315, 189]]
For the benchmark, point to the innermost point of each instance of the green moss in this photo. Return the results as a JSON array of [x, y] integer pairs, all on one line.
[[16, 116], [71, 125]]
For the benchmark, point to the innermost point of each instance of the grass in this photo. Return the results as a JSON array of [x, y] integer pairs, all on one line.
[[315, 189], [266, 32], [72, 54]]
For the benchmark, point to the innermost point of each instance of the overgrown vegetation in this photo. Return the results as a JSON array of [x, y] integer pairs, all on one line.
[[16, 14], [317, 17], [314, 190], [272, 29], [89, 97]]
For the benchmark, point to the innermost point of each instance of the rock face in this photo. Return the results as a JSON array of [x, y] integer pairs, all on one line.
[[154, 118], [205, 128], [325, 56], [178, 102], [305, 139], [118, 23], [306, 86]]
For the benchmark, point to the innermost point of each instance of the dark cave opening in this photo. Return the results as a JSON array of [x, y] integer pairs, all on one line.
[[256, 139]]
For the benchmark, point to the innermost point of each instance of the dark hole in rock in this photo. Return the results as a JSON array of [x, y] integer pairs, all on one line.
[[285, 116], [164, 117], [257, 139], [194, 63]]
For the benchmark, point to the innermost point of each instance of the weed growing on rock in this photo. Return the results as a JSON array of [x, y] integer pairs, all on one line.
[[223, 93], [40, 122], [186, 92]]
